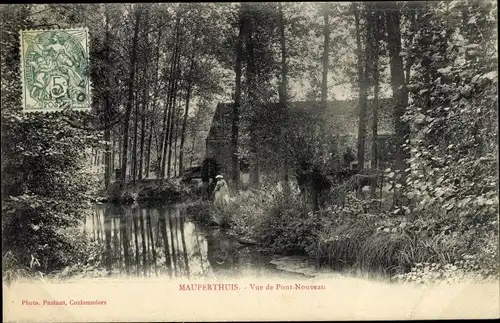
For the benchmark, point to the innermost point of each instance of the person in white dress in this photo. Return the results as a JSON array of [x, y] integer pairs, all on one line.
[[221, 192]]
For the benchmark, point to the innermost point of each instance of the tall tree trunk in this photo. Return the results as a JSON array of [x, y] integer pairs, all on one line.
[[130, 99], [93, 227], [235, 171], [120, 154], [251, 73], [400, 94], [363, 87], [168, 130], [171, 135], [113, 156], [153, 109], [158, 135], [143, 129], [165, 136], [162, 157], [107, 130], [98, 218], [173, 120], [136, 126], [185, 119], [413, 29], [148, 150], [176, 139], [283, 98], [375, 106], [326, 45], [145, 101], [324, 82], [192, 152], [131, 153]]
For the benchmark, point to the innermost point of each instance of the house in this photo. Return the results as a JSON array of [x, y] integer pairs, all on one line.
[[341, 119]]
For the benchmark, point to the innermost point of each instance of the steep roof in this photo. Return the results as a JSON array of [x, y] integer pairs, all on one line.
[[221, 122], [348, 110]]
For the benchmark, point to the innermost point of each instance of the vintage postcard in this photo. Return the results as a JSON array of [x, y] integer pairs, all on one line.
[[245, 161]]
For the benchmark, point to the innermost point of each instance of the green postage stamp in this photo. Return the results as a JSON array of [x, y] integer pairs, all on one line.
[[55, 70]]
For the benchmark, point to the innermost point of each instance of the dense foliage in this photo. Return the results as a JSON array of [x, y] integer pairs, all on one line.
[[47, 186], [444, 225]]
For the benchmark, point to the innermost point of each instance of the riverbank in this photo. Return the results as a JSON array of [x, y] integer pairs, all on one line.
[[167, 191], [338, 240], [348, 239]]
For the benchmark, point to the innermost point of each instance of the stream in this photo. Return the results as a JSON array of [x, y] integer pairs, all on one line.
[[166, 251], [161, 240]]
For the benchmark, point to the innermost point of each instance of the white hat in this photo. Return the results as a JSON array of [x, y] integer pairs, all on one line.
[[218, 176]]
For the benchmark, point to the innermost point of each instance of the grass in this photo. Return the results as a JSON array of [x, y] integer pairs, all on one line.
[[340, 246], [344, 238]]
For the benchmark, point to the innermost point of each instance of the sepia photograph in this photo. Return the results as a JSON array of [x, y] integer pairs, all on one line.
[[249, 161]]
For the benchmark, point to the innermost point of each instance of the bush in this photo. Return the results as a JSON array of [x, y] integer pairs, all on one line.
[[349, 237], [80, 256], [244, 211], [86, 256], [391, 244], [466, 269], [199, 211], [14, 269], [165, 190], [46, 188], [286, 229]]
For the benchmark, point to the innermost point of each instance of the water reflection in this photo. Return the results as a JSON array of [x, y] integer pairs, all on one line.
[[160, 240]]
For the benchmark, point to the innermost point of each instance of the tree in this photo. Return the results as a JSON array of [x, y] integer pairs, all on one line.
[[145, 102], [186, 111], [130, 100], [377, 32], [283, 85], [400, 94], [237, 97], [167, 115], [362, 83], [326, 47], [252, 92], [107, 131]]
